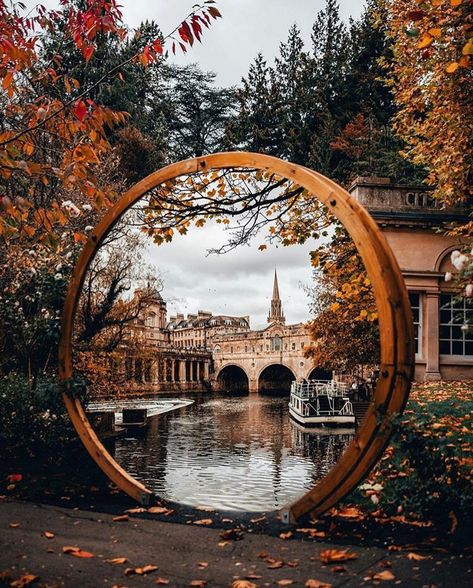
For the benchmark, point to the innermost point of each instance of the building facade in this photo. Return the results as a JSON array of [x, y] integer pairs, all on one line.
[[414, 226]]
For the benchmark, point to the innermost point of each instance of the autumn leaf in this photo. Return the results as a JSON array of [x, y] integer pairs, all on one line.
[[416, 556], [452, 67], [203, 522], [48, 535], [161, 581], [80, 110], [14, 525], [311, 583], [334, 555], [287, 535], [284, 582], [160, 510], [116, 561], [198, 583], [385, 575], [148, 569], [243, 584], [14, 478], [76, 552], [24, 580], [121, 518]]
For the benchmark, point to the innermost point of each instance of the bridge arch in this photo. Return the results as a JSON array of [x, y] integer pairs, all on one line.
[[232, 378], [319, 373], [275, 378]]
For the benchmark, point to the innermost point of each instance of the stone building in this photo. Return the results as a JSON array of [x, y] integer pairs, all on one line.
[[265, 359], [414, 226], [198, 330]]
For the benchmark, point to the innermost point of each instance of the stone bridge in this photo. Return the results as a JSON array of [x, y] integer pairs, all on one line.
[[264, 371]]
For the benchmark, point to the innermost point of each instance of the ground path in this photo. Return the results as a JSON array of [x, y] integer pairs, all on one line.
[[187, 552]]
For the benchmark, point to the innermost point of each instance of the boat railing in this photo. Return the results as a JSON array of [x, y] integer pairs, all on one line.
[[312, 388]]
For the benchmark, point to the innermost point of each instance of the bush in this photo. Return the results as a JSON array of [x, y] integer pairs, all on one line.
[[426, 473], [33, 423]]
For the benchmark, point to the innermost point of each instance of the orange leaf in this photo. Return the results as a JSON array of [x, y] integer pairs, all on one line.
[[334, 555], [203, 522], [452, 67], [48, 534], [117, 561], [120, 518], [426, 41], [76, 552], [311, 583], [435, 32], [24, 580], [384, 575], [7, 80], [455, 2]]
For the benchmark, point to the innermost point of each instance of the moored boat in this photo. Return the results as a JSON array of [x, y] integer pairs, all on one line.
[[321, 402]]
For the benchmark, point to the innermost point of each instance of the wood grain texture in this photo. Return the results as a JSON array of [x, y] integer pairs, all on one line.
[[395, 322]]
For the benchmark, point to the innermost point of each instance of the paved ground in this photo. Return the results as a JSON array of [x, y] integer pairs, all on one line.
[[186, 553]]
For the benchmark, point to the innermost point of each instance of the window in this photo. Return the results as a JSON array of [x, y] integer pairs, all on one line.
[[414, 298], [293, 346], [276, 343], [455, 314]]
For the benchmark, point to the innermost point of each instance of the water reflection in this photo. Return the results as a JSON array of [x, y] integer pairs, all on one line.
[[231, 453]]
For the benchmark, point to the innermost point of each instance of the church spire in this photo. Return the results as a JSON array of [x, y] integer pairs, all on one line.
[[276, 314]]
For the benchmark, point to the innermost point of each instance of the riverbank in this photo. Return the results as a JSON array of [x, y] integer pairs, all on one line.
[[74, 548]]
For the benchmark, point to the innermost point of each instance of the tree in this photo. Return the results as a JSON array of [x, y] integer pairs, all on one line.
[[345, 327], [430, 76], [197, 112], [53, 134]]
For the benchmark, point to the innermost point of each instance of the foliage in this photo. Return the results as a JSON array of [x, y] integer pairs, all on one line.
[[430, 75], [425, 474], [53, 134], [345, 327], [33, 423], [306, 105]]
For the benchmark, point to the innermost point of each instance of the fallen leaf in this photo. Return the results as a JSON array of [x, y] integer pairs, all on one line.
[[384, 575], [253, 577], [203, 564], [259, 519], [203, 522], [205, 508], [243, 584], [416, 556], [161, 581], [136, 510], [14, 478], [198, 583], [48, 534], [232, 534], [339, 569], [148, 569], [14, 525], [76, 552], [287, 535], [274, 564], [160, 510], [334, 555], [284, 582], [311, 583], [121, 518], [263, 554], [24, 580], [117, 561], [292, 564]]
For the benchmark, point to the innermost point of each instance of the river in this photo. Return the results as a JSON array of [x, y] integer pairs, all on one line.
[[230, 452]]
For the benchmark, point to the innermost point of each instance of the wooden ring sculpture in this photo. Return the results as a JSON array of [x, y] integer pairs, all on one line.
[[395, 323]]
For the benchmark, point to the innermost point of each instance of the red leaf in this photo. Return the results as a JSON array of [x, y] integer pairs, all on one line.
[[215, 12], [14, 478], [80, 110]]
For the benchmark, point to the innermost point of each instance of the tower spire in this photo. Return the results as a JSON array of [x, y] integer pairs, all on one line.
[[276, 314]]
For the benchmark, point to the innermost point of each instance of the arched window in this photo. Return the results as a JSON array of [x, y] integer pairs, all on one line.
[[276, 343]]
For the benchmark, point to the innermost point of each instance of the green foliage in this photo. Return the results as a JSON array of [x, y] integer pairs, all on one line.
[[33, 423]]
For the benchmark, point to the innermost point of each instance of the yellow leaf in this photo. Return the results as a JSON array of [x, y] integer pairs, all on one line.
[[452, 67], [468, 49], [455, 2], [426, 41], [435, 32]]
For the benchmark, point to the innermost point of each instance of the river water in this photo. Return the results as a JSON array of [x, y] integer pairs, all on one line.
[[230, 452]]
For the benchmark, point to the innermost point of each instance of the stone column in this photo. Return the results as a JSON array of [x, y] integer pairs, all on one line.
[[182, 370], [431, 336], [206, 370], [172, 363]]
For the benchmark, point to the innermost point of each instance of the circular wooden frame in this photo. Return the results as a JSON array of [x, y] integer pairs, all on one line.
[[395, 322]]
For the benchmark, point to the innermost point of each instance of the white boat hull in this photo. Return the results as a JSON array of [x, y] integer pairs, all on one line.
[[335, 420]]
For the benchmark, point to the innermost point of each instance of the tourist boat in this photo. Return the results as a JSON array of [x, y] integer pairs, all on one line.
[[321, 402]]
